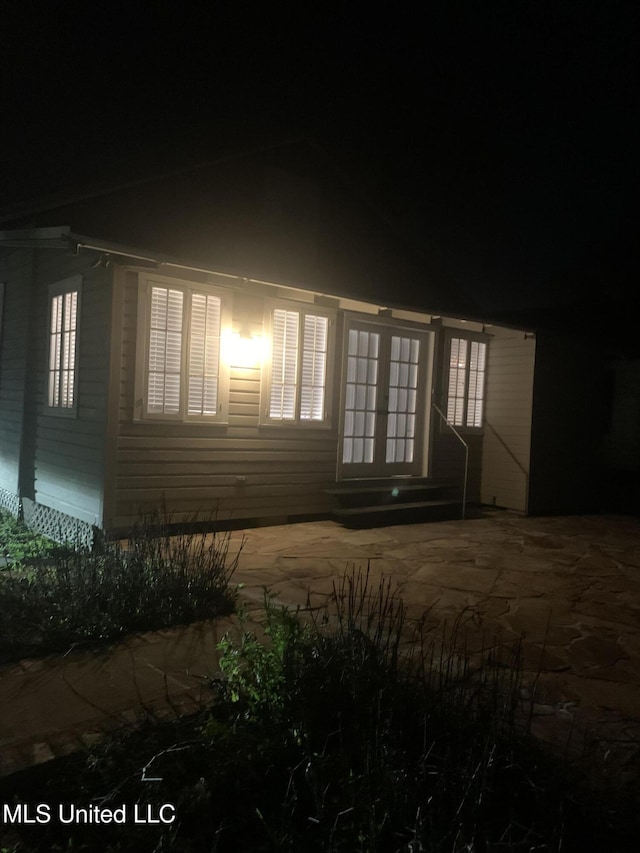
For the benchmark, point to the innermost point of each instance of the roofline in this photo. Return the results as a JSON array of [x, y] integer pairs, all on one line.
[[61, 237]]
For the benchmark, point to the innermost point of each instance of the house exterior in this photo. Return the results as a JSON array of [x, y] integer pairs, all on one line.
[[132, 377]]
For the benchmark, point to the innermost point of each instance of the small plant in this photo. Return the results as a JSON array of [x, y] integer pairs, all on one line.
[[255, 671], [19, 545]]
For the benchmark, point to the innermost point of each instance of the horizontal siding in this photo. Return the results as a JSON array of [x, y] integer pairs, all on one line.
[[177, 439], [239, 470], [237, 456], [15, 272], [448, 461], [507, 432], [68, 453], [143, 479]]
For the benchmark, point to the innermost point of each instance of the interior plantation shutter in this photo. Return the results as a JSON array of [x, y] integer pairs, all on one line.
[[55, 349], [69, 349], [204, 354], [165, 351], [314, 367], [457, 381], [475, 400], [284, 364], [62, 350]]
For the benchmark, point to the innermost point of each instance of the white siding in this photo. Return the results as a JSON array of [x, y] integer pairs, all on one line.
[[239, 470], [65, 455], [15, 272], [506, 443]]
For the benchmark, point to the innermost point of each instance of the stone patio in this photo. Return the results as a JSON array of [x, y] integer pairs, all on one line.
[[568, 588]]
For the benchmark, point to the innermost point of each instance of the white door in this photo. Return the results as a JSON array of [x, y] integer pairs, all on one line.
[[383, 401]]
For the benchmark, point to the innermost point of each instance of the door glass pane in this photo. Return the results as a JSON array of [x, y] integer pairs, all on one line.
[[360, 397], [395, 348], [400, 374], [348, 423], [370, 425], [351, 396], [368, 450], [403, 381]]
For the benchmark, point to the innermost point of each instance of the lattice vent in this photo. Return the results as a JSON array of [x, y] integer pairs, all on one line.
[[57, 525], [10, 502]]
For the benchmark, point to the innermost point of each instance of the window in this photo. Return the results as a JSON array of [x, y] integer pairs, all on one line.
[[465, 392], [183, 376], [297, 383], [64, 305]]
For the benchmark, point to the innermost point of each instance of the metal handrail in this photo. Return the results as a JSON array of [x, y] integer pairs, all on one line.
[[466, 455]]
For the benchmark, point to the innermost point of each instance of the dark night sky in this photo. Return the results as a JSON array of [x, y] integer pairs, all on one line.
[[501, 137]]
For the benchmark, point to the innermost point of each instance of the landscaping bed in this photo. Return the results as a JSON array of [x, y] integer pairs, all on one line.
[[338, 733], [54, 597]]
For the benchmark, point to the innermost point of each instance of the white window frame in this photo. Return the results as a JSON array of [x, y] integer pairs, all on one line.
[[60, 290], [470, 338], [303, 309], [188, 290]]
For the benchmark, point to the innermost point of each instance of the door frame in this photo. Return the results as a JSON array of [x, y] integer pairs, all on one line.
[[423, 428]]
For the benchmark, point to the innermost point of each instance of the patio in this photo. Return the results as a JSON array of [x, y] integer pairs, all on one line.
[[568, 586]]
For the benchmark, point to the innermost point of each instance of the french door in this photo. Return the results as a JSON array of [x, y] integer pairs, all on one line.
[[383, 401]]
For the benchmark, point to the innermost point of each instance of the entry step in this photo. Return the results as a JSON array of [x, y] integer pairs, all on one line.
[[388, 490], [412, 512], [393, 500], [398, 487]]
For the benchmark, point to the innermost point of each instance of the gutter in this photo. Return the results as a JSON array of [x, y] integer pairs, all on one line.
[[61, 237]]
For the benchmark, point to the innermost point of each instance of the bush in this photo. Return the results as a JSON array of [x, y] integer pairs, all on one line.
[[65, 596], [19, 545], [374, 743], [336, 734]]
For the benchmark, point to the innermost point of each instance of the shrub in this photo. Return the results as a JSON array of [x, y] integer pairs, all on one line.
[[66, 596], [336, 734], [390, 744], [19, 545]]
